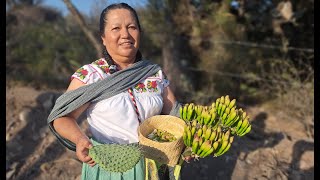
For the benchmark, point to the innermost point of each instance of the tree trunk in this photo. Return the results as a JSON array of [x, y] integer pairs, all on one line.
[[170, 64], [170, 54], [84, 27]]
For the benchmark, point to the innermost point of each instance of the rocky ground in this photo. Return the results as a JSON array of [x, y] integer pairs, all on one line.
[[276, 148]]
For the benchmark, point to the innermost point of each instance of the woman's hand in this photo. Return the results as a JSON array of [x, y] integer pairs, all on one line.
[[82, 150]]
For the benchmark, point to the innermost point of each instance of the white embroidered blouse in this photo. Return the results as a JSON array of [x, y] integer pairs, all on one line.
[[114, 120]]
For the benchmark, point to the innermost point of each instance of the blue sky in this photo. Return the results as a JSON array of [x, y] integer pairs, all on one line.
[[85, 6]]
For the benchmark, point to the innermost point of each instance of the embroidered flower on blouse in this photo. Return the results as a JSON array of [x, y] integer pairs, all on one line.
[[82, 73], [106, 69], [140, 87], [100, 62], [102, 65], [152, 86]]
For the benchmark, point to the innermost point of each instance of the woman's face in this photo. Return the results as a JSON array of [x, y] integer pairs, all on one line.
[[121, 36]]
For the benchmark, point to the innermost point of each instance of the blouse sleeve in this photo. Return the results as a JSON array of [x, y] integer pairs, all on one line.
[[164, 79], [87, 74]]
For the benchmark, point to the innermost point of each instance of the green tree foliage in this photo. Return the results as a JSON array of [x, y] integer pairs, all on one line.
[[44, 51]]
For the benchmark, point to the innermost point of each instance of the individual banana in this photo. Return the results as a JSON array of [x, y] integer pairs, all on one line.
[[226, 100], [204, 129], [224, 118], [199, 110], [233, 109], [201, 141], [193, 130], [205, 150], [219, 132], [194, 123], [213, 135], [225, 150], [190, 111], [223, 108], [217, 103], [184, 136], [212, 108], [213, 105], [219, 109], [232, 103], [222, 99], [203, 116], [212, 121], [234, 122], [227, 111], [184, 117], [244, 115], [181, 111], [208, 133], [205, 154], [195, 111], [199, 132], [209, 119], [189, 138], [195, 144], [238, 126], [216, 144], [228, 146], [247, 130], [223, 145], [230, 118], [231, 139], [226, 136], [206, 145], [240, 112], [243, 126]]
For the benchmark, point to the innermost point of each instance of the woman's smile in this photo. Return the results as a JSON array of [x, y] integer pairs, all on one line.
[[126, 44]]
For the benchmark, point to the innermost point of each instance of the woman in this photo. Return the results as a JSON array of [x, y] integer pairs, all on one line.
[[114, 119]]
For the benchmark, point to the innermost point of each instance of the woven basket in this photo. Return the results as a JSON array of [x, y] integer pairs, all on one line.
[[162, 152]]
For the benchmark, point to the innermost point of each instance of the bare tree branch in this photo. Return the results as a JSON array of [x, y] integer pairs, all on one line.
[[84, 27]]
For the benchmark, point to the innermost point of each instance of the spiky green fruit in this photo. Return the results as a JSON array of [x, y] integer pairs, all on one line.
[[116, 157]]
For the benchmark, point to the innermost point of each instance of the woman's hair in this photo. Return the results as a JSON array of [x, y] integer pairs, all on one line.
[[103, 21]]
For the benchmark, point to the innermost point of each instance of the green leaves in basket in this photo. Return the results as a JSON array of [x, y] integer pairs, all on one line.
[[116, 157]]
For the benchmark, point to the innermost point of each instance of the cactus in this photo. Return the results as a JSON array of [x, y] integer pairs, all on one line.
[[116, 157]]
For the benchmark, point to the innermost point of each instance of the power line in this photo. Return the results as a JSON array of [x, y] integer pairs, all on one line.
[[252, 44], [257, 45], [239, 76]]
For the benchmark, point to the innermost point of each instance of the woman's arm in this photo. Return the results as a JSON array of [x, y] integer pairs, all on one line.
[[68, 128], [168, 100]]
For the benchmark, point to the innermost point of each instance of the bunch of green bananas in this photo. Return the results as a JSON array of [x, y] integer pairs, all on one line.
[[204, 140], [211, 129]]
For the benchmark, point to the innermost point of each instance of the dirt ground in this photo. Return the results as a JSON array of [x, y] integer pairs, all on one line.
[[275, 148]]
